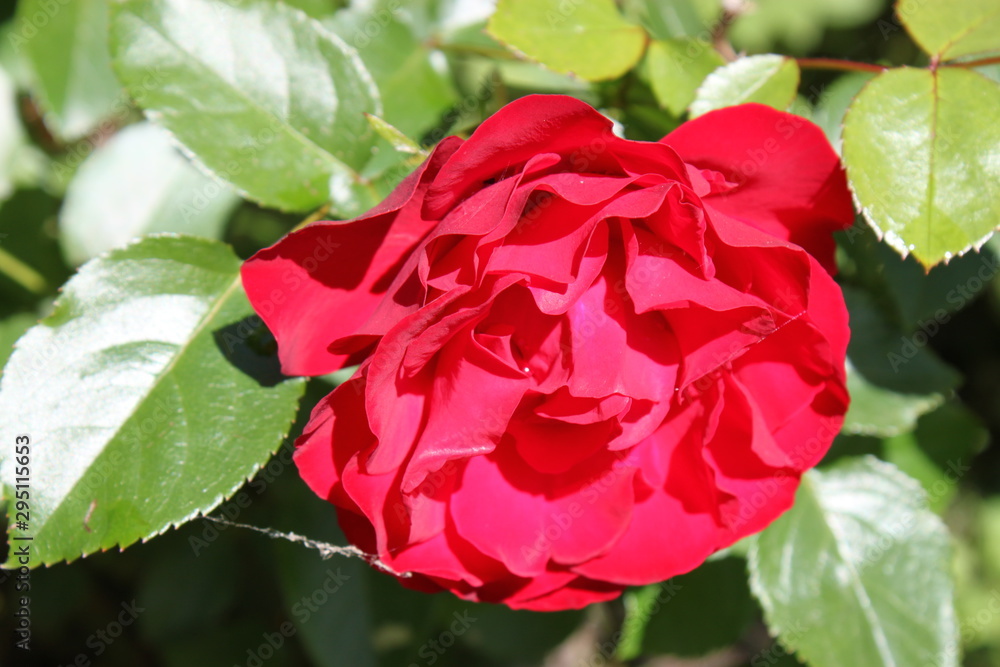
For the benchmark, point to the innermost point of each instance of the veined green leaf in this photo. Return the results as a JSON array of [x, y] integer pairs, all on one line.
[[856, 573], [676, 68], [922, 152], [767, 79], [952, 29], [66, 44], [261, 94], [588, 38], [147, 395]]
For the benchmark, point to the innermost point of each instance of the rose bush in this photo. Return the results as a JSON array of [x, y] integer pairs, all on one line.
[[585, 362]]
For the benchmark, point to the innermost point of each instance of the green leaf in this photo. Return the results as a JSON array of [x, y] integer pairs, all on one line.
[[261, 94], [711, 609], [939, 452], [588, 38], [497, 633], [354, 195], [251, 228], [989, 529], [21, 163], [918, 299], [767, 79], [892, 376], [67, 51], [12, 57], [328, 603], [796, 27], [31, 263], [678, 18], [12, 328], [951, 434], [317, 9], [182, 593], [923, 158], [147, 395], [857, 572], [676, 68], [953, 29], [833, 102], [530, 77], [415, 87], [978, 573], [879, 411], [990, 71], [640, 604], [136, 184]]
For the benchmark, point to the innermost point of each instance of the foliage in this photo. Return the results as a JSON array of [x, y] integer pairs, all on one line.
[[147, 146]]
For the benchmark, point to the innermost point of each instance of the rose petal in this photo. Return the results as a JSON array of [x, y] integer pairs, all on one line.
[[340, 265], [576, 594], [471, 400], [333, 473], [673, 528], [509, 138], [616, 351], [531, 517], [758, 474], [789, 181], [552, 447]]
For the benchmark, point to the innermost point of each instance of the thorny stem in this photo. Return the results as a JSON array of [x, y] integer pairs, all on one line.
[[843, 65], [993, 60], [851, 66]]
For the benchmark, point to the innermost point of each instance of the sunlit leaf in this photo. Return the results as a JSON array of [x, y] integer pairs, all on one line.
[[588, 38], [952, 29], [859, 552], [768, 79], [923, 156], [149, 395], [66, 45], [258, 92], [676, 68]]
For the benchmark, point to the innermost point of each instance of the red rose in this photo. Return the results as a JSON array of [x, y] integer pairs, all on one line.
[[586, 362]]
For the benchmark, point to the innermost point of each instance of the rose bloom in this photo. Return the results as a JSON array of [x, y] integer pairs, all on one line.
[[585, 362]]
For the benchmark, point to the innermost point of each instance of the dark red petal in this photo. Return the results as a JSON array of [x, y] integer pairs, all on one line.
[[552, 447], [472, 399], [399, 386], [332, 471], [577, 594], [756, 473], [512, 136], [320, 283], [314, 454]]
